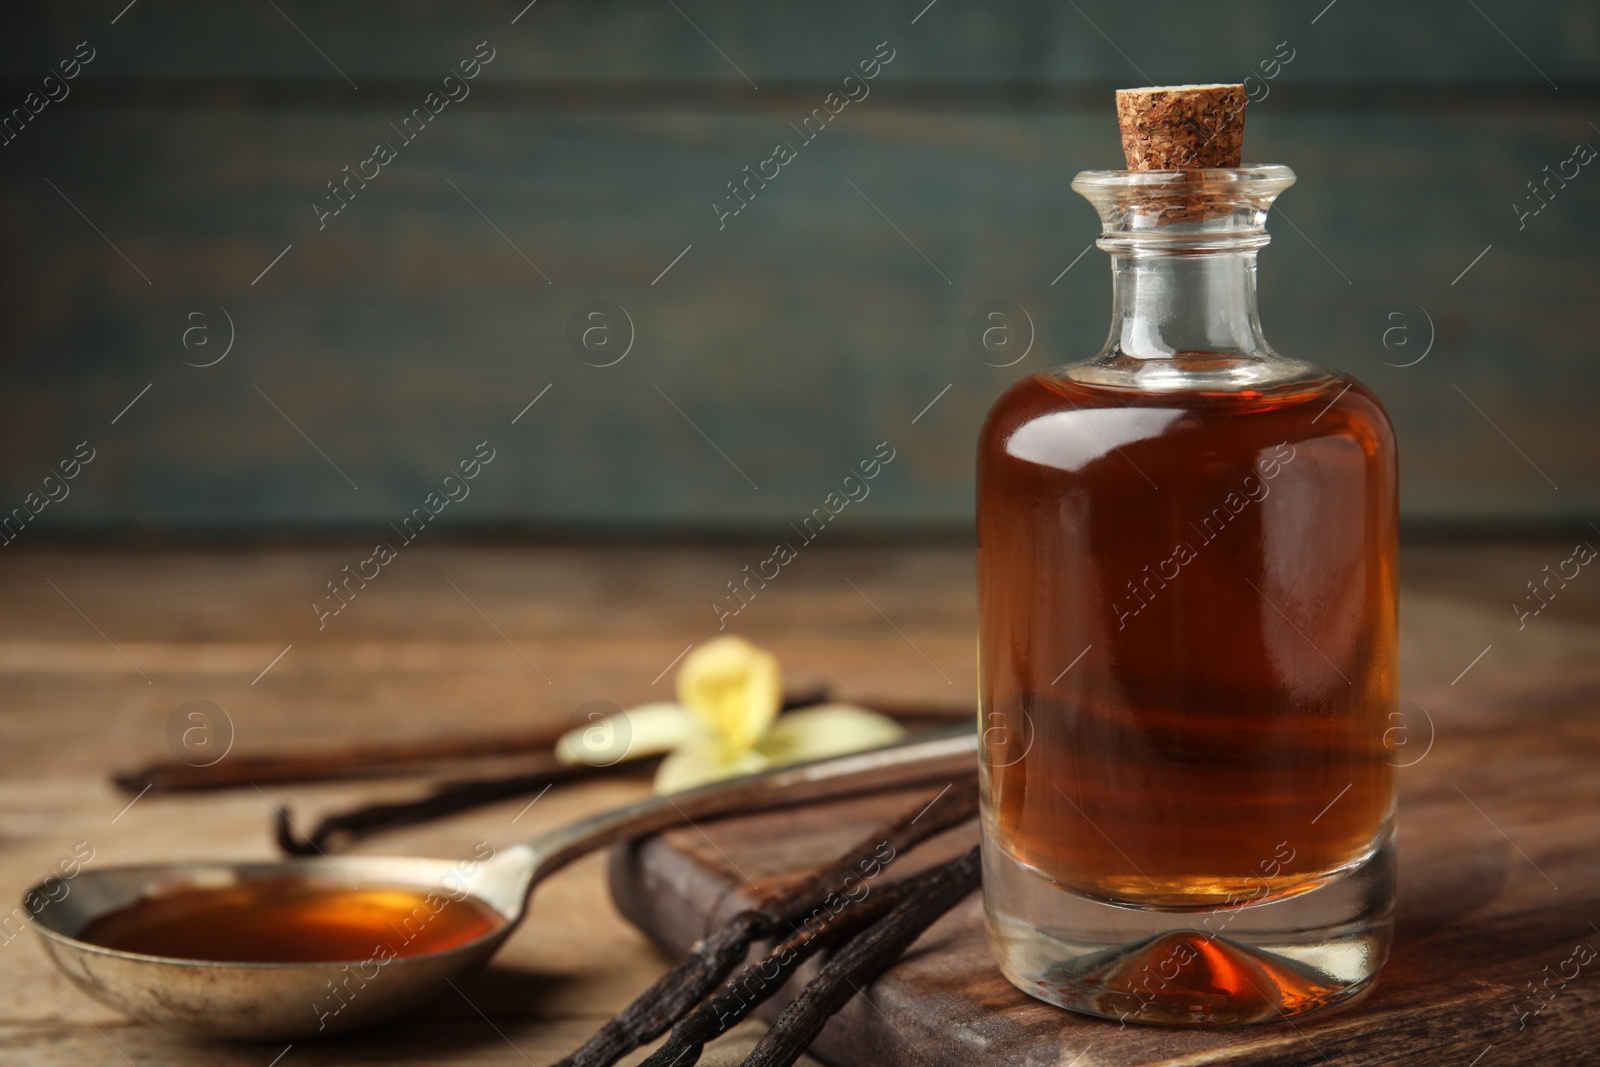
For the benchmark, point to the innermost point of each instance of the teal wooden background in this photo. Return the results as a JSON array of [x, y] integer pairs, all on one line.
[[777, 352]]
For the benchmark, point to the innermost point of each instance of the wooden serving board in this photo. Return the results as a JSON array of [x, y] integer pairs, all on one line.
[[1499, 888]]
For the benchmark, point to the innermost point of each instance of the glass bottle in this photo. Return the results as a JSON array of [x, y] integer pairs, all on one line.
[[1187, 648]]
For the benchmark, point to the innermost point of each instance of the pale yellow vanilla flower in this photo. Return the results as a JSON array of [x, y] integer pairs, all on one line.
[[694, 765], [726, 723], [646, 730], [734, 689], [827, 730]]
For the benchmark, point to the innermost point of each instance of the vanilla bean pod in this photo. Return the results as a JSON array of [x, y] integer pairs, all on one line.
[[862, 960], [737, 999], [715, 956], [447, 799]]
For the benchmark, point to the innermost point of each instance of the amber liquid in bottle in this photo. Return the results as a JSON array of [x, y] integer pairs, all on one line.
[[1187, 599], [293, 920]]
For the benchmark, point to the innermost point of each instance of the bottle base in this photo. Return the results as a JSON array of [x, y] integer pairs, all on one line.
[[1249, 964]]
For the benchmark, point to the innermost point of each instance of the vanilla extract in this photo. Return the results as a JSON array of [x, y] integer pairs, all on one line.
[[1187, 600], [293, 920]]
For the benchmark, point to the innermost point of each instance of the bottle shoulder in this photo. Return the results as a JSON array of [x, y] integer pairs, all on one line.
[[1310, 402], [1198, 372]]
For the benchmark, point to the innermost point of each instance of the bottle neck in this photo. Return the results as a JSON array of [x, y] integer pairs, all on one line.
[[1183, 249], [1201, 302]]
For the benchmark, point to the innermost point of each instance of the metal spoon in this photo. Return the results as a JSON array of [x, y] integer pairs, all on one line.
[[286, 1000]]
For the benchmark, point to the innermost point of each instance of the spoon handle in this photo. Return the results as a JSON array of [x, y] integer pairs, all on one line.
[[937, 756]]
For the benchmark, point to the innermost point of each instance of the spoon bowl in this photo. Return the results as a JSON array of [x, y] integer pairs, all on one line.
[[300, 999], [262, 1000]]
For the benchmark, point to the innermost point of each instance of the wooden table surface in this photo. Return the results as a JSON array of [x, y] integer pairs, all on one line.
[[98, 648], [1499, 887]]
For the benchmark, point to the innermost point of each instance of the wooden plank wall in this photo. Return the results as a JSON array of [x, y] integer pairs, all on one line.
[[786, 343]]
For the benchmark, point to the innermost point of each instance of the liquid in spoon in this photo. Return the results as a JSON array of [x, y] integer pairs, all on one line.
[[293, 920]]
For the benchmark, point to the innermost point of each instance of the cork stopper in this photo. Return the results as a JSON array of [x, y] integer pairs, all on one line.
[[1182, 127]]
